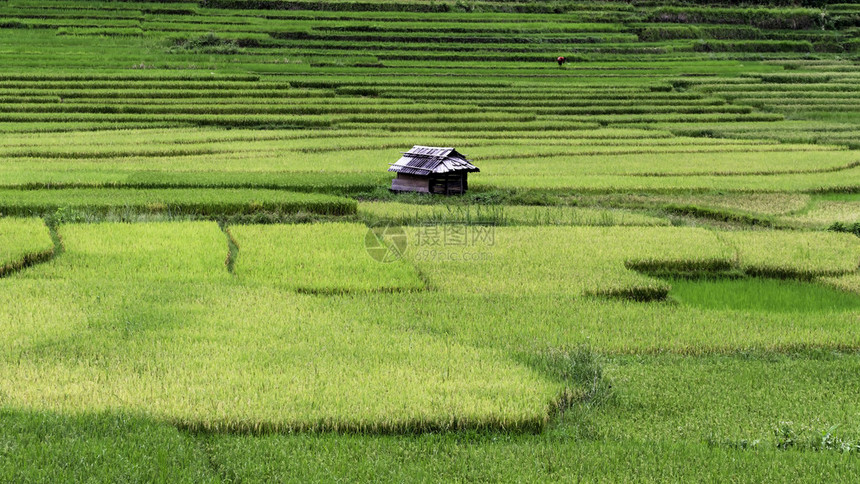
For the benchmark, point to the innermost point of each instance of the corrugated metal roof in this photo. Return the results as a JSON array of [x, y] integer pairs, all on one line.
[[425, 160]]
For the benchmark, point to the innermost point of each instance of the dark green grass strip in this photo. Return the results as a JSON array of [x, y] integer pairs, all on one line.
[[199, 202], [232, 248], [721, 215], [321, 182], [26, 261]]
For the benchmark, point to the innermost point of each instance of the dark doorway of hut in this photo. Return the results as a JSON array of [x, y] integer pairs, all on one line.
[[428, 169]]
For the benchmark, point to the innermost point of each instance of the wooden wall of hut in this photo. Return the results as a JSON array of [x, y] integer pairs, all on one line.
[[454, 183]]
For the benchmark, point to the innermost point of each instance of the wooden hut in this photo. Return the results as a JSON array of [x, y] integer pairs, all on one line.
[[432, 170]]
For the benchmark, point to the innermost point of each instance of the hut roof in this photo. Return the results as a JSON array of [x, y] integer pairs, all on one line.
[[425, 160]]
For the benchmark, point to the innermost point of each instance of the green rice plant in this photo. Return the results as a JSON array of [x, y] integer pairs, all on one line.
[[568, 261], [223, 108], [136, 329], [100, 31], [767, 18], [719, 161], [96, 83], [564, 159], [187, 119], [23, 242], [511, 458], [201, 202], [172, 335], [131, 93], [411, 214], [44, 446], [334, 140], [78, 128], [824, 213], [753, 46], [795, 254], [757, 294], [324, 258], [614, 325], [583, 171], [840, 180], [320, 181], [773, 388], [766, 204], [789, 131], [674, 406], [113, 75], [185, 136], [642, 108], [186, 251], [849, 282]]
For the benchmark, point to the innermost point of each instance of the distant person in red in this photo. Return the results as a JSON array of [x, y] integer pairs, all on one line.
[[561, 60]]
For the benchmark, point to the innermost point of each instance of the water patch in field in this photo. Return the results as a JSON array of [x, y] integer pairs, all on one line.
[[760, 294]]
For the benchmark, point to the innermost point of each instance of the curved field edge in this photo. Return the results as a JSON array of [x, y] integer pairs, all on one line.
[[614, 261], [781, 438], [256, 358], [23, 242], [242, 358]]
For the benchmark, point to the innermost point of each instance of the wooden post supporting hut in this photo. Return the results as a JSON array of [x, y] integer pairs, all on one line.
[[426, 169]]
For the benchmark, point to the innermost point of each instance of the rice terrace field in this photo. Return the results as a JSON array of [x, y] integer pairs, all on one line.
[[204, 276]]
